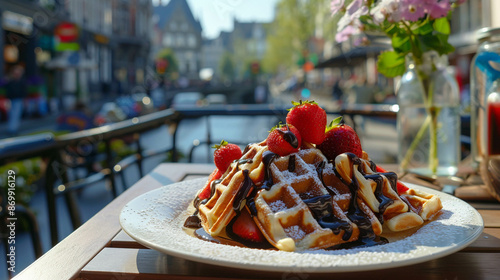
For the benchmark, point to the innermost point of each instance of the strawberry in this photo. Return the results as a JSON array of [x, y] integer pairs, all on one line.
[[284, 140], [245, 227], [309, 119], [401, 188], [225, 154], [205, 193], [340, 138]]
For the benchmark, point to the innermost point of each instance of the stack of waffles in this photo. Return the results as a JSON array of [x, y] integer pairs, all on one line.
[[302, 201]]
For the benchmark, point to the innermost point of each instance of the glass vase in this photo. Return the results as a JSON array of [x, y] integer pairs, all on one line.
[[428, 120]]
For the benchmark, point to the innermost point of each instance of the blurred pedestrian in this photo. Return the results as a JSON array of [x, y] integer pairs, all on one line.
[[16, 90], [337, 92], [260, 94]]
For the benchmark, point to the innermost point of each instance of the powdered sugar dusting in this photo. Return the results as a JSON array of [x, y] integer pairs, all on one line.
[[295, 232], [156, 218], [277, 206]]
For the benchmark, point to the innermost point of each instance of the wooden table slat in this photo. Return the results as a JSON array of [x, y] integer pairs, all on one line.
[[128, 263], [489, 241], [123, 240], [490, 217]]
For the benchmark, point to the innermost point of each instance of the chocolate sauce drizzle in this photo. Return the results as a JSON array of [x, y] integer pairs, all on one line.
[[291, 163], [267, 159], [246, 186], [322, 209], [321, 206], [289, 137]]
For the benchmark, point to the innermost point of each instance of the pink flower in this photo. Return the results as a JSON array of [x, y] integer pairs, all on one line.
[[412, 10], [345, 33], [386, 9], [438, 9], [355, 6], [336, 6]]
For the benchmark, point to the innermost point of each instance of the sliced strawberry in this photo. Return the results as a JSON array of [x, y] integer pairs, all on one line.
[[205, 193], [380, 169], [401, 188], [245, 227]]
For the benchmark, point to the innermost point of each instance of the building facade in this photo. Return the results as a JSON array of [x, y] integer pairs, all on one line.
[[246, 43], [79, 49], [115, 37], [178, 30]]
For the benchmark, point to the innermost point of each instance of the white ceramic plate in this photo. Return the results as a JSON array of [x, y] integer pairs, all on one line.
[[155, 220]]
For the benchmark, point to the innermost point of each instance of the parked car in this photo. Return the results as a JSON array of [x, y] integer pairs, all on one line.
[[187, 100], [216, 99]]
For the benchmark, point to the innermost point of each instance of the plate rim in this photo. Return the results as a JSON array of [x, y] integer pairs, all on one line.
[[307, 269]]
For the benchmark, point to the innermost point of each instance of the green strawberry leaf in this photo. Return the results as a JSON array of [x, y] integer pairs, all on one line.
[[295, 103], [335, 122], [222, 144]]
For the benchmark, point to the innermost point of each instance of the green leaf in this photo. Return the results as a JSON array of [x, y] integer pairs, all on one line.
[[391, 64], [447, 48], [424, 28], [390, 28], [437, 42], [430, 42], [367, 22], [442, 25], [365, 19], [401, 43]]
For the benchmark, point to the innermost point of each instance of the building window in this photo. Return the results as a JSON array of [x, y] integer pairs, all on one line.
[[173, 26], [184, 26], [180, 40], [168, 40], [191, 40]]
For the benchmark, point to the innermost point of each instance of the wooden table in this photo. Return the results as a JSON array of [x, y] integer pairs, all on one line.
[[99, 249]]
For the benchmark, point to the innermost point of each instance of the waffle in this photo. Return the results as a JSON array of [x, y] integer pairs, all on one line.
[[218, 211], [301, 201], [289, 213], [378, 191]]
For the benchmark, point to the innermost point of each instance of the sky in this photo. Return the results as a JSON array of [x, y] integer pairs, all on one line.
[[217, 15]]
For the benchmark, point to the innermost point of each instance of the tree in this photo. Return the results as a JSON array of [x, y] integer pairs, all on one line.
[[226, 67], [166, 63], [295, 23]]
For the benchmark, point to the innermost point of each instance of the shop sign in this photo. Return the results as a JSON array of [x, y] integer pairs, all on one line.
[[66, 37], [17, 23], [66, 32], [101, 39]]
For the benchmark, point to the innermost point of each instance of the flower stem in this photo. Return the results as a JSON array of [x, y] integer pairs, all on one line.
[[415, 142], [433, 158], [433, 113]]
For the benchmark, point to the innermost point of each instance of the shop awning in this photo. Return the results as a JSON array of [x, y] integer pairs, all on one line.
[[68, 59], [352, 57]]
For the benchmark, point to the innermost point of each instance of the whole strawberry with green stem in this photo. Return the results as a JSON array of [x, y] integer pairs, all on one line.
[[284, 140], [225, 154], [309, 119], [340, 138]]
